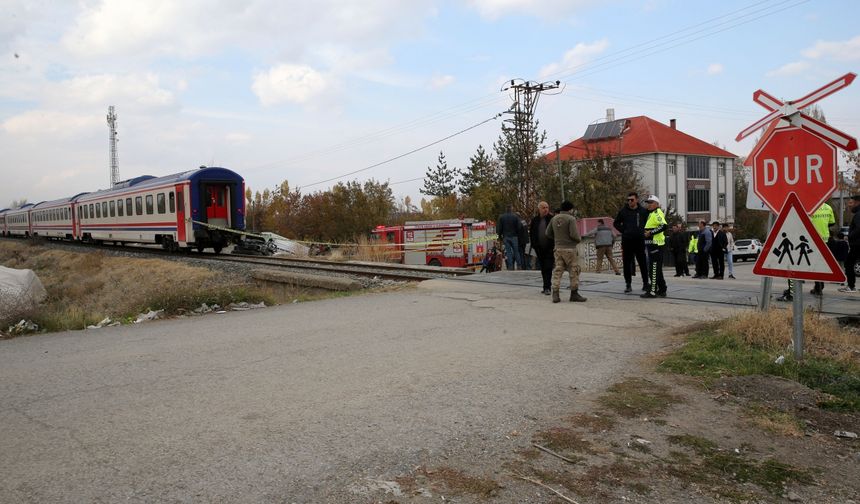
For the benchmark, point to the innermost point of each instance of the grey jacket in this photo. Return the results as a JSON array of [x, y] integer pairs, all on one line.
[[603, 236]]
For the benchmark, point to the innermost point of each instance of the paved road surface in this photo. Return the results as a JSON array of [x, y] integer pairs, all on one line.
[[309, 402]]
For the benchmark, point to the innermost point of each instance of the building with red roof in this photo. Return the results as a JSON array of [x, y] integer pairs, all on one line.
[[690, 176]]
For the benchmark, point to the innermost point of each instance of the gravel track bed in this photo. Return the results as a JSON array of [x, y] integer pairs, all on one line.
[[236, 271]]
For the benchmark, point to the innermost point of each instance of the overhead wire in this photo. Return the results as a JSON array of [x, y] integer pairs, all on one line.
[[610, 61]]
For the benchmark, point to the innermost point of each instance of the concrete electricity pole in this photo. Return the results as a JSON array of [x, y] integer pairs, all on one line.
[[114, 163]]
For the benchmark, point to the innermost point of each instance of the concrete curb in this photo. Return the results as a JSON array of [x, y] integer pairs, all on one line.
[[304, 280]]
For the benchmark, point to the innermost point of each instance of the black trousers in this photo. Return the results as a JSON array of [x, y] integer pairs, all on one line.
[[633, 251], [658, 283], [718, 262], [702, 263], [853, 256], [547, 263], [681, 267]]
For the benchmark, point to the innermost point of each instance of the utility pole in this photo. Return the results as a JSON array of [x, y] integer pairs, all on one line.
[[558, 166], [525, 95], [114, 163]]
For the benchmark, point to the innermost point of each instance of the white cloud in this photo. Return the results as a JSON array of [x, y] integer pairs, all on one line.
[[441, 81], [288, 83], [237, 138], [494, 9], [139, 92], [49, 123], [575, 58], [846, 50], [715, 68], [789, 69]]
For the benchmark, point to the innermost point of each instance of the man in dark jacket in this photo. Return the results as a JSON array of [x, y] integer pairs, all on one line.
[[718, 250], [703, 250], [509, 227], [542, 244], [853, 244], [679, 241], [630, 222]]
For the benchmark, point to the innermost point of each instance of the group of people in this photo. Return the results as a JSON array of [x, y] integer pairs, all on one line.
[[643, 230]]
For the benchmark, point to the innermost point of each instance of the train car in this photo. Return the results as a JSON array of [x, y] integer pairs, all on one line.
[[18, 221], [54, 219], [3, 221], [194, 209]]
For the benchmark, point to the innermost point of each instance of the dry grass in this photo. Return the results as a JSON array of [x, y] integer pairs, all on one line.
[[85, 287], [595, 422], [458, 482], [375, 251], [635, 397], [772, 330], [774, 421]]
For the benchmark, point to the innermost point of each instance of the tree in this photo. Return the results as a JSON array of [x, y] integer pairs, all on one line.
[[748, 223], [18, 203], [600, 183], [441, 181], [481, 170]]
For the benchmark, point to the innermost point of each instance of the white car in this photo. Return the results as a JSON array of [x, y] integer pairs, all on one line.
[[746, 249]]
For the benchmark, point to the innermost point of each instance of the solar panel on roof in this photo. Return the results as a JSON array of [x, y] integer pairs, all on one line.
[[611, 129]]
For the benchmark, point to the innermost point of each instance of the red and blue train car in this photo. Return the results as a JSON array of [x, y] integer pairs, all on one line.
[[195, 209]]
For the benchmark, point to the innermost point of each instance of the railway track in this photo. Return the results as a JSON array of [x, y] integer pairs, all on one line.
[[386, 271]]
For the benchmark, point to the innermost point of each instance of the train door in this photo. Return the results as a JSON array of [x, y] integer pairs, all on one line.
[[181, 225], [217, 210]]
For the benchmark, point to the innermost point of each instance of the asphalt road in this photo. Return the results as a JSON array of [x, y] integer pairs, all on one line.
[[310, 402]]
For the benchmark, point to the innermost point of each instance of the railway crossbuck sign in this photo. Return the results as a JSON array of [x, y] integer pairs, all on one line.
[[794, 249]]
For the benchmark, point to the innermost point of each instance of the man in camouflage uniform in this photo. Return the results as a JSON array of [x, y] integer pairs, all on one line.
[[562, 228]]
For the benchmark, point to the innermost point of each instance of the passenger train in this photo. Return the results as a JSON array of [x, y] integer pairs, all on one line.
[[194, 209]]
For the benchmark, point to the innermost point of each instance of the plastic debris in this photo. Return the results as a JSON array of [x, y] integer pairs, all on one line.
[[845, 434], [106, 322], [780, 360], [151, 315], [23, 327], [245, 306]]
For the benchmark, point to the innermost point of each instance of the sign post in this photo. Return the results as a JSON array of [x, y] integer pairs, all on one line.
[[794, 172]]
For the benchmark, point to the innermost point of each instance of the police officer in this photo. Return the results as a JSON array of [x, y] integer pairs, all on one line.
[[655, 242]]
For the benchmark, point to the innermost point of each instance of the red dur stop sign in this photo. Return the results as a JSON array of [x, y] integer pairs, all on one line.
[[792, 160]]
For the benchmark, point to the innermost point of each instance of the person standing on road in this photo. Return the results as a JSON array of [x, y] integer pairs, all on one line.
[[562, 229], [730, 249], [704, 242], [718, 250], [543, 245], [693, 248], [679, 241], [853, 244], [603, 242], [522, 241], [509, 227], [655, 241], [630, 222]]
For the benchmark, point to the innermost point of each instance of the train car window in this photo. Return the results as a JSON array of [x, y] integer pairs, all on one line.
[[104, 208], [92, 212], [68, 213], [112, 209], [138, 205], [171, 198], [128, 207], [180, 201], [159, 200], [149, 207], [98, 211], [119, 207]]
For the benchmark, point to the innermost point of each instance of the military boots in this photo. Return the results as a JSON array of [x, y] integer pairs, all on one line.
[[556, 298], [575, 297]]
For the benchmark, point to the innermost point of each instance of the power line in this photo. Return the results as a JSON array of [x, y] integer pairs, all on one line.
[[413, 151]]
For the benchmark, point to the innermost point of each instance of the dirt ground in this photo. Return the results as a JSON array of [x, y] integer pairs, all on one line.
[[662, 438]]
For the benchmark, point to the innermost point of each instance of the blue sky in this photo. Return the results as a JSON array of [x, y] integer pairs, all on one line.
[[307, 91]]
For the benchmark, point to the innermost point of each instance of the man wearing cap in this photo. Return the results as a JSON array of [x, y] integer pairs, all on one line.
[[562, 229], [655, 241]]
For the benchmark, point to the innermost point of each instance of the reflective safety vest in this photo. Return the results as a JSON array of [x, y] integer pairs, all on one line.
[[656, 223], [822, 219], [694, 245]]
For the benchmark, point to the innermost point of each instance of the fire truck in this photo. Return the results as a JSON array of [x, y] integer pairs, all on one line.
[[452, 243]]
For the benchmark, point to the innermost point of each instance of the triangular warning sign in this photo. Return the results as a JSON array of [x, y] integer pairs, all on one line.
[[795, 250]]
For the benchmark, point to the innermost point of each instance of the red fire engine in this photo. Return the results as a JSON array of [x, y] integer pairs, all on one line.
[[451, 243]]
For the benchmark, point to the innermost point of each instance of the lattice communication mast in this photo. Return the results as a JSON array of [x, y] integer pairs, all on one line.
[[114, 163]]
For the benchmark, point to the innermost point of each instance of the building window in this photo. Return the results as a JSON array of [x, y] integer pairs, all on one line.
[[672, 166], [672, 201], [699, 200], [721, 168], [721, 200], [698, 167]]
